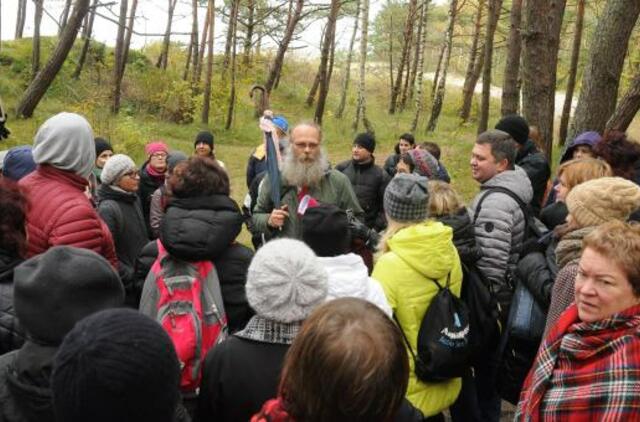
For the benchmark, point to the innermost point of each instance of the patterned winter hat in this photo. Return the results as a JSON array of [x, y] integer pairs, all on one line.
[[406, 198], [601, 200], [425, 164]]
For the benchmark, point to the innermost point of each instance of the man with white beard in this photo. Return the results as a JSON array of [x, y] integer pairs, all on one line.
[[306, 180]]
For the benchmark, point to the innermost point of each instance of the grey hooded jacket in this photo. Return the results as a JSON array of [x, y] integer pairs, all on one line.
[[500, 228]]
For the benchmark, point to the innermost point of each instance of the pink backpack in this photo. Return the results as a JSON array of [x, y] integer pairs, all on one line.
[[191, 311]]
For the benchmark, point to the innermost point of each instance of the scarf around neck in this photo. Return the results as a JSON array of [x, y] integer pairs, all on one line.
[[585, 370], [268, 331], [157, 176]]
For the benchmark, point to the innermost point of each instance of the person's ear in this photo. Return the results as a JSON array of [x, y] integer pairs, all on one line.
[[502, 165]]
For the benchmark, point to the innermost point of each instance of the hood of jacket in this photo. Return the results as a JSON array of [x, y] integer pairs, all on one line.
[[66, 142], [585, 138], [515, 180], [195, 229], [348, 276], [427, 247]]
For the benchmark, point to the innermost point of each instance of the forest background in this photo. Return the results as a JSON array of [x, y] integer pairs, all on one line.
[[444, 70]]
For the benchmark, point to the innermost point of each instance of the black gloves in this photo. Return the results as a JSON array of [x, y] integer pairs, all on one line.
[[360, 231]]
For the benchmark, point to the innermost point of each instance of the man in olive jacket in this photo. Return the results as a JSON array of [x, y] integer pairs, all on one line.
[[306, 180]]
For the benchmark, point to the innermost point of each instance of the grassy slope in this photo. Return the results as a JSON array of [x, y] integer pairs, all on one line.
[[131, 129]]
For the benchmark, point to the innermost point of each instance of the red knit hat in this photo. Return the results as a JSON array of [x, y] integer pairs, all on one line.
[[156, 146]]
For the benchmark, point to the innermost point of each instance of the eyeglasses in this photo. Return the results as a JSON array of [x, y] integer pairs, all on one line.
[[132, 174], [159, 155]]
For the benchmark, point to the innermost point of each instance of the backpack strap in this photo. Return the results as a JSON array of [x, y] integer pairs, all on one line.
[[524, 208], [404, 337]]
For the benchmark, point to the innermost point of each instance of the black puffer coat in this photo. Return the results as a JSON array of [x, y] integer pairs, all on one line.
[[148, 185], [464, 237], [123, 215], [369, 182], [390, 164], [205, 228], [534, 163], [11, 335]]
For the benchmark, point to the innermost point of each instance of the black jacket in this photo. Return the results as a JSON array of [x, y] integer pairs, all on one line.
[[369, 182], [25, 394], [147, 186], [535, 164], [239, 375], [464, 237], [123, 215], [554, 215], [11, 335], [390, 164], [205, 228]]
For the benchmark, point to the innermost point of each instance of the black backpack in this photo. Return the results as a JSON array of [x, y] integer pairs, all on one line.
[[443, 342]]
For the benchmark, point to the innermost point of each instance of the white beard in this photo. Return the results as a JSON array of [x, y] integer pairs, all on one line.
[[297, 173]]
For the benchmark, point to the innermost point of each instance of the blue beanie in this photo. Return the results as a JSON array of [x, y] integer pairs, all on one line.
[[281, 123], [18, 163]]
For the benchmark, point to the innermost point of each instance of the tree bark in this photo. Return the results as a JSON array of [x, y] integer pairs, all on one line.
[[408, 30], [206, 100], [436, 108], [325, 57], [311, 96], [21, 18], [187, 65], [510, 91], [601, 78], [407, 75], [573, 71], [627, 108], [539, 65], [87, 40], [37, 88], [361, 107], [203, 43], [347, 70], [123, 52], [232, 94], [474, 66], [64, 16], [420, 86], [119, 48], [248, 39], [164, 54], [492, 23], [35, 51], [233, 16], [416, 59], [194, 41], [276, 67], [436, 75]]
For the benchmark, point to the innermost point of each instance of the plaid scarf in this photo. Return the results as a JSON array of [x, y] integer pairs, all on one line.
[[272, 411], [586, 371], [269, 331]]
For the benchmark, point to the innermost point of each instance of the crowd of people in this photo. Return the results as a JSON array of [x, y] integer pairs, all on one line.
[[125, 295]]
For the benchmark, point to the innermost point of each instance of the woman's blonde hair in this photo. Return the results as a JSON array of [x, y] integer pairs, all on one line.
[[443, 199], [583, 169], [393, 227]]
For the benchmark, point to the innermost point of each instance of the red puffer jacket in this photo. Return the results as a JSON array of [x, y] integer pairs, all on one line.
[[60, 214]]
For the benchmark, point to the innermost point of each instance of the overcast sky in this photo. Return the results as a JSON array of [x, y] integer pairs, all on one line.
[[151, 18]]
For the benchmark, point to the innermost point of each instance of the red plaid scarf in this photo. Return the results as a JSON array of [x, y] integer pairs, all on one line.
[[272, 411], [586, 371]]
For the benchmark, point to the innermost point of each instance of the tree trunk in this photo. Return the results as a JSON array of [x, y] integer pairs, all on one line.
[[35, 52], [127, 37], [573, 71], [436, 75], [347, 70], [276, 67], [233, 16], [474, 67], [311, 96], [64, 16], [37, 88], [325, 56], [436, 108], [510, 92], [206, 100], [492, 23], [361, 108], [187, 66], [232, 94], [194, 41], [164, 54], [21, 18], [0, 24], [87, 40], [391, 33], [123, 52], [118, 55], [627, 109], [408, 30], [407, 75], [248, 39], [416, 59], [539, 65], [420, 85], [601, 78], [203, 43]]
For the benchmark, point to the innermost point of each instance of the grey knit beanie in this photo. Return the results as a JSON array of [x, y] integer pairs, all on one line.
[[286, 281], [115, 168], [406, 198]]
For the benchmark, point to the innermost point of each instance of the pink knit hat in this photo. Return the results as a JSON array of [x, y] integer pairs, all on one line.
[[155, 146]]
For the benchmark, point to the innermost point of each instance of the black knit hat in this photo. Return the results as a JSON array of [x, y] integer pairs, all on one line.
[[206, 137], [56, 289], [366, 141], [116, 365], [325, 229], [516, 126], [102, 145]]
